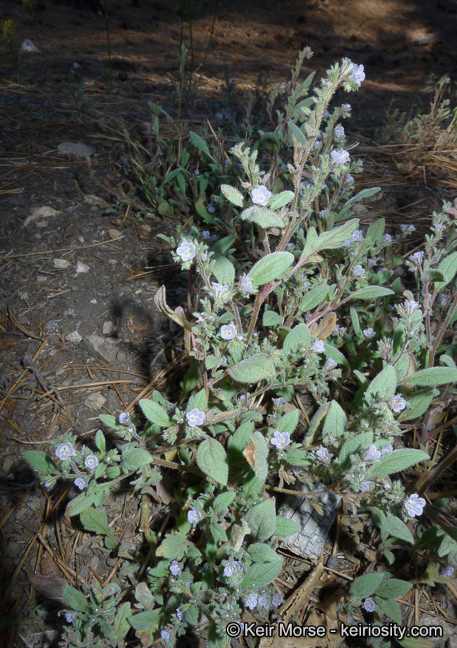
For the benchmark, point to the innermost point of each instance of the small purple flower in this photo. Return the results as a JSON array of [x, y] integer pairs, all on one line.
[[372, 454], [339, 131], [166, 635], [230, 568], [366, 486], [398, 403], [194, 516], [228, 332], [241, 399], [388, 238], [415, 505], [331, 364], [323, 213], [407, 229], [358, 271], [358, 75], [340, 156], [278, 401], [346, 107], [186, 251], [81, 483], [219, 291], [175, 568], [264, 601], [323, 454], [211, 209], [349, 179], [260, 196], [64, 451], [91, 462], [251, 601], [387, 450], [318, 346], [280, 439], [48, 484], [369, 333], [197, 172], [447, 572], [417, 257], [372, 262], [179, 614], [69, 617], [369, 605], [411, 305], [206, 235], [124, 417], [214, 238], [277, 600], [195, 417], [246, 284]]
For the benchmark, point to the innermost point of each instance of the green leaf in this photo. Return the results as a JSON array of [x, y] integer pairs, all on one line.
[[331, 352], [154, 413], [391, 609], [75, 599], [375, 231], [144, 620], [262, 217], [100, 441], [279, 200], [212, 460], [96, 521], [432, 377], [261, 574], [355, 320], [257, 367], [365, 193], [41, 462], [396, 528], [336, 237], [419, 404], [173, 546], [314, 297], [336, 421], [384, 384], [218, 532], [298, 458], [371, 292], [297, 133], [260, 552], [299, 337], [262, 519], [448, 266], [311, 243], [270, 318], [233, 195], [397, 461], [223, 501], [224, 244], [260, 453], [285, 527], [393, 588], [110, 422], [222, 269], [288, 422], [121, 621], [239, 440], [355, 445], [200, 143], [134, 459], [80, 504], [270, 267], [366, 585]]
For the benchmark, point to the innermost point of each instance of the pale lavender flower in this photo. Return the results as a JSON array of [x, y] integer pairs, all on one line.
[[358, 271], [318, 346], [346, 107], [323, 213], [211, 209], [417, 257], [387, 450], [241, 398], [358, 75], [166, 635], [398, 403], [219, 291], [365, 486], [277, 600], [411, 305], [323, 454], [260, 196], [48, 484], [388, 238], [228, 331], [349, 179], [415, 505], [340, 156], [230, 568], [369, 333], [206, 235], [251, 601], [197, 172], [372, 453], [442, 300], [317, 143], [339, 131], [331, 363], [91, 462], [278, 401], [81, 483], [194, 516], [179, 614], [246, 284], [357, 235], [447, 572], [195, 417], [407, 229], [186, 251], [264, 601], [369, 605], [216, 199], [175, 568], [64, 451], [280, 439], [69, 617], [372, 262], [214, 238], [124, 417]]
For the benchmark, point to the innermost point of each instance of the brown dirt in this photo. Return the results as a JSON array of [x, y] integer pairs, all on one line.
[[47, 382]]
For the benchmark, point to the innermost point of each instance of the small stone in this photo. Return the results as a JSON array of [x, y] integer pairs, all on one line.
[[105, 348], [75, 149], [114, 234], [42, 278], [81, 267], [93, 200], [74, 337], [108, 328], [70, 312], [145, 232], [61, 264], [40, 212], [95, 401], [93, 301], [28, 47], [7, 464]]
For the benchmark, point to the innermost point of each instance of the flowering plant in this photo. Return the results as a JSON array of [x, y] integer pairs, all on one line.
[[315, 310]]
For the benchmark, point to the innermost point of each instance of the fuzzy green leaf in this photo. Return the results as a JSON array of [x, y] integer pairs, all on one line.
[[262, 519], [448, 266], [270, 318], [96, 521], [384, 384], [314, 297], [365, 193], [299, 458], [375, 231], [261, 574], [260, 552], [222, 269], [144, 620], [297, 133], [331, 352], [212, 460], [355, 445], [288, 422], [336, 421], [279, 200], [366, 585], [336, 237], [154, 413], [396, 528], [259, 452], [419, 404], [392, 588], [134, 459], [270, 267], [173, 546], [391, 609], [285, 527], [100, 441], [233, 195], [298, 337], [371, 292], [257, 367], [396, 461], [200, 143], [75, 599], [432, 377], [41, 462], [262, 217], [223, 501]]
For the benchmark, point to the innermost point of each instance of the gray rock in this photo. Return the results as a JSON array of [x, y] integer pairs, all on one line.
[[75, 149], [104, 348]]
